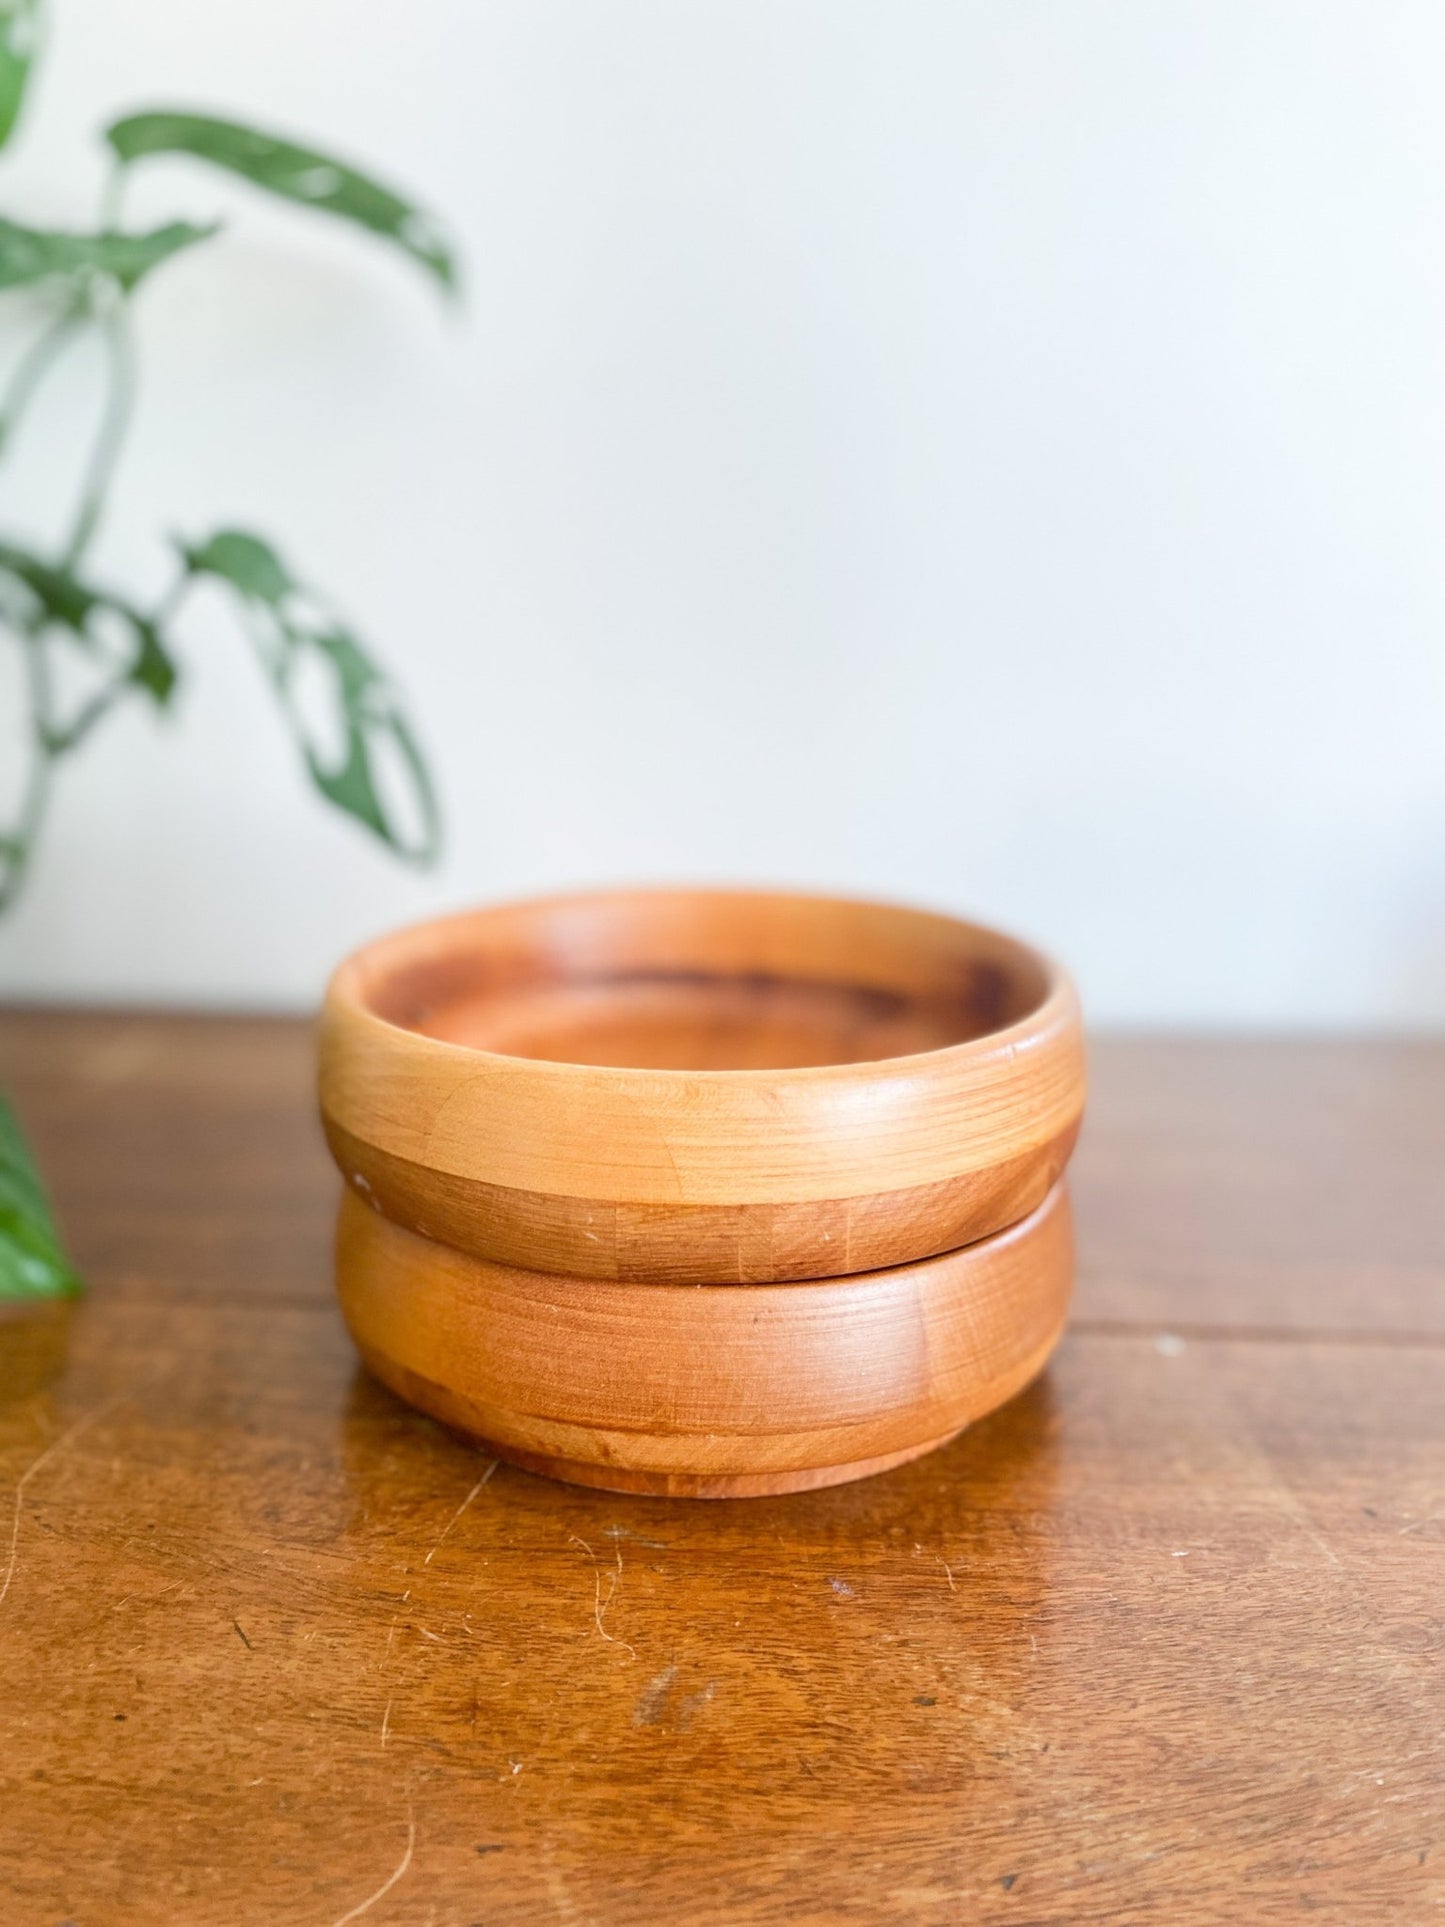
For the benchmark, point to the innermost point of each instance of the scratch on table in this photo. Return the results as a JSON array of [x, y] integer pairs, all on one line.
[[652, 1701], [386, 1886], [460, 1510], [1310, 1532], [694, 1703], [948, 1574], [563, 1904], [621, 1532], [1294, 1510], [1417, 1525], [599, 1604], [68, 1437], [149, 1597], [386, 1721], [391, 1629]]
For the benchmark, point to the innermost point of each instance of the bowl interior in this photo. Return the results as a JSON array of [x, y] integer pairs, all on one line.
[[703, 981]]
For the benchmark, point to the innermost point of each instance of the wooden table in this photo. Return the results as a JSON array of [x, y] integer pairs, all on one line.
[[1162, 1641]]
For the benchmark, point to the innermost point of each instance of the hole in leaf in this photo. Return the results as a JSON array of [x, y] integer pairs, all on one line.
[[315, 695], [314, 183], [306, 618], [419, 232], [77, 673], [395, 782], [112, 633], [14, 737]]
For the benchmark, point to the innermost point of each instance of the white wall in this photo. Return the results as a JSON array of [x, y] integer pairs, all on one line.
[[984, 454]]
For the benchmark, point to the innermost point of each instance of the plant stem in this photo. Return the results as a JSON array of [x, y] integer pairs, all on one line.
[[15, 849], [174, 596], [35, 363], [59, 741], [111, 439], [110, 197], [47, 742]]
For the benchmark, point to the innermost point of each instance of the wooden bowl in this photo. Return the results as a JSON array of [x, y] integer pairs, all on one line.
[[701, 1087], [723, 1393]]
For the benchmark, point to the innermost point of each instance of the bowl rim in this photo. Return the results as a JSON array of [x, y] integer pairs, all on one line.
[[1056, 1010]]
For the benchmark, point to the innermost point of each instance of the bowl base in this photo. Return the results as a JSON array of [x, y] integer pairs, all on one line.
[[702, 1485], [449, 1410]]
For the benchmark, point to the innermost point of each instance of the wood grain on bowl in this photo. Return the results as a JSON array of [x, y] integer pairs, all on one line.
[[723, 1392], [704, 1087]]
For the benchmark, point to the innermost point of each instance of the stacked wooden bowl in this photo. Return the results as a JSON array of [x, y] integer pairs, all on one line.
[[708, 1193]]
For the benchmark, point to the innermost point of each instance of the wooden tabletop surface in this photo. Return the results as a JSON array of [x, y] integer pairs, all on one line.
[[1164, 1640]]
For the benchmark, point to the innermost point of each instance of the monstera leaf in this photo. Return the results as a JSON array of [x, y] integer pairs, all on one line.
[[299, 174], [19, 33], [30, 254], [93, 617], [294, 632], [32, 1261]]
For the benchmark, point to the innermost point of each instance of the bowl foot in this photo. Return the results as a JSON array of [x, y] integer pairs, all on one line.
[[440, 1403], [701, 1485]]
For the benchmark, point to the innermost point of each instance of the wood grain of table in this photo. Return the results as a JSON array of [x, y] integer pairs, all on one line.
[[1163, 1640]]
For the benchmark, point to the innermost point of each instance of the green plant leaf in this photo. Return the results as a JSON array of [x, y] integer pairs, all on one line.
[[30, 254], [19, 34], [300, 174], [247, 563], [61, 597], [288, 624], [32, 1260]]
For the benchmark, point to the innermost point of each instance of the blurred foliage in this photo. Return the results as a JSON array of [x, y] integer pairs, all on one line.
[[360, 753], [32, 1263]]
